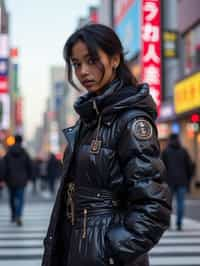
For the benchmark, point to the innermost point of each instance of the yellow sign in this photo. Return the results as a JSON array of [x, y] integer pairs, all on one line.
[[170, 44], [187, 94]]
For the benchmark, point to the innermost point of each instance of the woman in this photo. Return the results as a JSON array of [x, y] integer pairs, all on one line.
[[112, 206]]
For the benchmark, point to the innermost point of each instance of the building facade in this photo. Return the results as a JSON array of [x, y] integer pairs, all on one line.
[[187, 88]]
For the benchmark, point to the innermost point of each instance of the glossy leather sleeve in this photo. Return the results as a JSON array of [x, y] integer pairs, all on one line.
[[148, 197]]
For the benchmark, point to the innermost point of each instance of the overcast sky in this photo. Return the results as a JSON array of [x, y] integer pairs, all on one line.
[[39, 28]]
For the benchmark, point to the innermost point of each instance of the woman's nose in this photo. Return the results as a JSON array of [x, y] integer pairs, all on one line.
[[84, 70]]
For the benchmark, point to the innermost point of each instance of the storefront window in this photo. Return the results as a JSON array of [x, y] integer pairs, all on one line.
[[192, 50]]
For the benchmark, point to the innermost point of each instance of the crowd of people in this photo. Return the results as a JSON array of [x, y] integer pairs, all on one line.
[[17, 169]]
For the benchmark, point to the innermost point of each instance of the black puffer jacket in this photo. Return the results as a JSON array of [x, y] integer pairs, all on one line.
[[125, 167], [17, 166], [178, 164]]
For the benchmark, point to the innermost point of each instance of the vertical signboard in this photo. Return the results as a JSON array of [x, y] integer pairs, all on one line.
[[14, 72], [151, 48], [4, 111], [127, 25], [4, 84], [18, 112]]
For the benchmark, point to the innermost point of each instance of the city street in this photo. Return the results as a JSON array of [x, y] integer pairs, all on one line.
[[23, 246]]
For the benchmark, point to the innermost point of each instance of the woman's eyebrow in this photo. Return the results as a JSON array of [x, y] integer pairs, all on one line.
[[84, 56]]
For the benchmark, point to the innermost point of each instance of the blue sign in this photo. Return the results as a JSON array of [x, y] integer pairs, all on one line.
[[129, 29], [3, 67], [176, 128]]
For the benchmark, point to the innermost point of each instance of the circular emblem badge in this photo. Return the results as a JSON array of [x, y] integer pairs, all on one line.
[[142, 129]]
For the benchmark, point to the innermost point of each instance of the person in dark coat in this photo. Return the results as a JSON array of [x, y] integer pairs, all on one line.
[[179, 172], [113, 205], [53, 171], [18, 170]]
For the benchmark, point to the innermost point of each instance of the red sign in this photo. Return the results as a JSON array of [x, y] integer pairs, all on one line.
[[94, 15], [14, 52], [4, 84], [151, 48]]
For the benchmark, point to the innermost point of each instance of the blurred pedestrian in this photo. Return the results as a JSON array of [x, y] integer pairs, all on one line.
[[43, 174], [36, 175], [112, 185], [18, 170], [2, 184], [179, 172], [53, 171], [2, 170]]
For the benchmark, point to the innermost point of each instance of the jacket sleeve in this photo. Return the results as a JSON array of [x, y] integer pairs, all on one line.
[[148, 197]]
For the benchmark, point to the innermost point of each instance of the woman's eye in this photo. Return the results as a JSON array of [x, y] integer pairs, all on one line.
[[76, 65]]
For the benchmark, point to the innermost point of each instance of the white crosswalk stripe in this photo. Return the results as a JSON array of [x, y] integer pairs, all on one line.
[[23, 246], [178, 248]]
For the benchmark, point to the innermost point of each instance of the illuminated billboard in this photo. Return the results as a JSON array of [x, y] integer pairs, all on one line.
[[151, 48], [4, 111], [127, 25]]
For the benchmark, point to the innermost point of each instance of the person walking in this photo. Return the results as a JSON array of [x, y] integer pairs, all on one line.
[[113, 205], [179, 172], [17, 171], [53, 171]]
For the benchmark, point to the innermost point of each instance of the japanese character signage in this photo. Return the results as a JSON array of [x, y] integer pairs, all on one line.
[[151, 48]]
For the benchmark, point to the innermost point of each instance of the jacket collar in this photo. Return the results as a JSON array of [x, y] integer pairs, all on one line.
[[114, 98], [71, 134]]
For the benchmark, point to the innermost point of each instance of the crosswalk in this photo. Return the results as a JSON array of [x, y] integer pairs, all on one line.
[[23, 246], [178, 248]]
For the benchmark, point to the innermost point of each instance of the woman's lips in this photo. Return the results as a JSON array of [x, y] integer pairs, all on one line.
[[88, 83]]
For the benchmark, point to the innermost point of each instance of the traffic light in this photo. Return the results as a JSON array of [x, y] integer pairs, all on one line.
[[195, 118], [195, 122]]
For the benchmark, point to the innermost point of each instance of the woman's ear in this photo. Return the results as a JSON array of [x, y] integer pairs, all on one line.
[[115, 61]]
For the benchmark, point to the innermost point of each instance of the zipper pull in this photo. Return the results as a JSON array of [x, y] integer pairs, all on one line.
[[84, 223]]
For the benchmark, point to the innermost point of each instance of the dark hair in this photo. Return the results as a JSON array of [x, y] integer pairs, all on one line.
[[18, 139], [97, 36]]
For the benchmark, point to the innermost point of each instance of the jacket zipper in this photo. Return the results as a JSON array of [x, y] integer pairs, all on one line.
[[84, 223], [70, 202]]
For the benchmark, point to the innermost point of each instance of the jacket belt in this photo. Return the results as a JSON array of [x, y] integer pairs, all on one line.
[[88, 201]]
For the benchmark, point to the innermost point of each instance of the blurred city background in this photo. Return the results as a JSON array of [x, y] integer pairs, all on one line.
[[162, 44]]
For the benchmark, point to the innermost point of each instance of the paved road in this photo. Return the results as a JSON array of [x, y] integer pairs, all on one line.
[[178, 248], [23, 246]]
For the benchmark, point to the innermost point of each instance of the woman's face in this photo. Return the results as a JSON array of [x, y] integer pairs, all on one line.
[[87, 68]]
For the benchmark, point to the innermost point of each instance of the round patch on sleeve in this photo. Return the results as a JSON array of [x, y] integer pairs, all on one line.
[[142, 129]]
